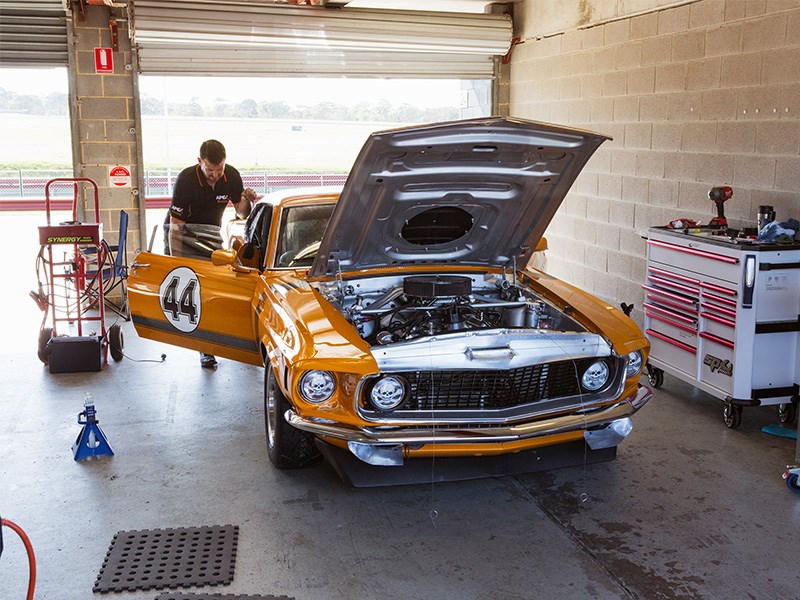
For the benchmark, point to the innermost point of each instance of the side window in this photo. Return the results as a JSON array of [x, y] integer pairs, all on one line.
[[302, 228]]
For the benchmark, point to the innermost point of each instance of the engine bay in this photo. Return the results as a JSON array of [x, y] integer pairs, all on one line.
[[386, 310]]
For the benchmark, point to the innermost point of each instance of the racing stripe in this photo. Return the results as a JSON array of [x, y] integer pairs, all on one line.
[[200, 334]]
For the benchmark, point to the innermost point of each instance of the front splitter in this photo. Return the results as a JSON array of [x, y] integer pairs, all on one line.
[[443, 469]]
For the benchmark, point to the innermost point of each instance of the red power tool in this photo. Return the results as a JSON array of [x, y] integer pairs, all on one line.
[[718, 196]]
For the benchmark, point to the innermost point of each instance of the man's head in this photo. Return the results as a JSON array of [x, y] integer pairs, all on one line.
[[212, 160]]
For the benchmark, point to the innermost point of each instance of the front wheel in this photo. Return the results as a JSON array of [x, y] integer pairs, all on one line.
[[287, 447], [792, 483]]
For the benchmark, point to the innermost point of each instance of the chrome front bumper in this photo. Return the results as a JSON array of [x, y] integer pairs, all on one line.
[[383, 445]]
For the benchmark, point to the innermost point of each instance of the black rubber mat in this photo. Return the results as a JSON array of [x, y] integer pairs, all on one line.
[[169, 558], [183, 596]]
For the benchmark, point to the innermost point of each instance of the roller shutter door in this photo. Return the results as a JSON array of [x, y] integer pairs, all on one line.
[[33, 33], [262, 38]]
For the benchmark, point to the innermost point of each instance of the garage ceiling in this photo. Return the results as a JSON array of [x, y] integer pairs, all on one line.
[[33, 33], [259, 37]]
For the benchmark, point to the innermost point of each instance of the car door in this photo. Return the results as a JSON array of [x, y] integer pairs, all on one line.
[[193, 303]]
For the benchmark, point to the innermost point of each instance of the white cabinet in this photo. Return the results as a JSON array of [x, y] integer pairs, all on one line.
[[725, 316]]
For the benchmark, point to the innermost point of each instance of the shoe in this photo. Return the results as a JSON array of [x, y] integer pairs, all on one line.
[[207, 361]]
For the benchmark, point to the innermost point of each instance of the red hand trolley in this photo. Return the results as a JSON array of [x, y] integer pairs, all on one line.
[[74, 286]]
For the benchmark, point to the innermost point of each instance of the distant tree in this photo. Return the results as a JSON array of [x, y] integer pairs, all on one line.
[[151, 106], [56, 104], [246, 109], [274, 110]]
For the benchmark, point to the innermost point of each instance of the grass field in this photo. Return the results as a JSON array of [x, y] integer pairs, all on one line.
[[262, 143]]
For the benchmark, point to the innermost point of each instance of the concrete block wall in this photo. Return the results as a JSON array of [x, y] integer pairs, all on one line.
[[695, 94], [105, 121]]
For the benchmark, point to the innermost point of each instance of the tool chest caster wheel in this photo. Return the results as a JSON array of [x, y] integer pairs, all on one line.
[[786, 412], [732, 415], [655, 376]]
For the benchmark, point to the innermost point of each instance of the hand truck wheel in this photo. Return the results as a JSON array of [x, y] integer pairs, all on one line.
[[44, 338], [116, 342]]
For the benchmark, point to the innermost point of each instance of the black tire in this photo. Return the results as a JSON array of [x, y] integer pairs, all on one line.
[[792, 483], [116, 342], [287, 447], [655, 376], [732, 415], [44, 338], [786, 412]]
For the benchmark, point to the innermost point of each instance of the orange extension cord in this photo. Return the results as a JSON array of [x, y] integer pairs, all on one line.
[[29, 549]]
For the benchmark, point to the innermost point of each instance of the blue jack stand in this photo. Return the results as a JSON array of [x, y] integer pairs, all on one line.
[[91, 440]]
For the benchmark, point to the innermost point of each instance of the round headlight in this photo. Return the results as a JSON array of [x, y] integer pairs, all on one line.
[[595, 377], [388, 393], [635, 363], [317, 386]]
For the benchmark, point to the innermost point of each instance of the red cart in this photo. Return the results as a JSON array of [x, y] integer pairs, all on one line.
[[73, 290]]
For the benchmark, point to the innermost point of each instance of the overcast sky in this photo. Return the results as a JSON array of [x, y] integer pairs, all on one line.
[[296, 90]]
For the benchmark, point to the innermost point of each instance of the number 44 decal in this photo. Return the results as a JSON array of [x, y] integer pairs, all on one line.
[[179, 294]]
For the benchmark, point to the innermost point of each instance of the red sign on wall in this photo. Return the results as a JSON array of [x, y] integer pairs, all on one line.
[[103, 60], [119, 176]]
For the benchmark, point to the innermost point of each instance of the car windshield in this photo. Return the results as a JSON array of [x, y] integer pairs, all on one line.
[[301, 231], [188, 240]]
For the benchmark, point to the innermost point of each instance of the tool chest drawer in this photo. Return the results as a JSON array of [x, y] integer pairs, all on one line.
[[695, 259]]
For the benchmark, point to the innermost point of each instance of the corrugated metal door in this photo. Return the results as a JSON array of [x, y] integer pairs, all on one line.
[[259, 37], [33, 33]]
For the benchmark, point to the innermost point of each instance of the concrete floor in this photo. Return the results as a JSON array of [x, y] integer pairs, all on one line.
[[689, 509]]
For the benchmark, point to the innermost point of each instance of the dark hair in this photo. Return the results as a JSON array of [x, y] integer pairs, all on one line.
[[212, 151]]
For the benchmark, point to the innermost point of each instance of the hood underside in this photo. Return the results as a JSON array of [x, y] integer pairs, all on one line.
[[479, 192]]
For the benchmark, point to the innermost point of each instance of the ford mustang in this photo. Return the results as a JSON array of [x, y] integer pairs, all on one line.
[[398, 317]]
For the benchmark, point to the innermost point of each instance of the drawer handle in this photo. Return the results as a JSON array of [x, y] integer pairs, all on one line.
[[673, 275], [669, 340], [668, 322], [675, 297], [718, 289], [716, 340], [720, 299], [726, 259], [683, 288], [717, 319], [692, 310], [719, 309], [670, 314]]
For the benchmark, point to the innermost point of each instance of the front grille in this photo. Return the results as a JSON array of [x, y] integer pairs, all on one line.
[[488, 390]]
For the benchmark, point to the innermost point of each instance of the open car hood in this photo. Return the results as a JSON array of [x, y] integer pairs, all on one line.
[[477, 192]]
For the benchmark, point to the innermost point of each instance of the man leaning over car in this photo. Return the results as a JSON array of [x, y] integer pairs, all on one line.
[[201, 195]]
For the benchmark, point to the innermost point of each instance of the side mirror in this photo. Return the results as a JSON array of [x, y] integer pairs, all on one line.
[[223, 257]]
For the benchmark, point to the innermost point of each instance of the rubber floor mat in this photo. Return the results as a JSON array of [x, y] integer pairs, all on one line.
[[184, 596], [169, 558]]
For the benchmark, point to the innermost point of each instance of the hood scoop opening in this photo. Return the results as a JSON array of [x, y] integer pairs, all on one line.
[[437, 286]]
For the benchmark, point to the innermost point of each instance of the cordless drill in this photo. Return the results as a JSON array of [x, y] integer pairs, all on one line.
[[718, 196]]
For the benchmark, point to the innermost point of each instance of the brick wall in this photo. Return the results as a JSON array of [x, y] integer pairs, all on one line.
[[105, 121], [695, 95]]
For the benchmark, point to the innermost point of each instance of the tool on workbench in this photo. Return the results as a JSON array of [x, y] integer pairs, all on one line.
[[720, 195]]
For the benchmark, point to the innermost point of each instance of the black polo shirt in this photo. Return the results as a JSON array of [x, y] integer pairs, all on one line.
[[193, 200]]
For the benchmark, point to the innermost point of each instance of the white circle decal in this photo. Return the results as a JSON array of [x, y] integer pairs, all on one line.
[[180, 299]]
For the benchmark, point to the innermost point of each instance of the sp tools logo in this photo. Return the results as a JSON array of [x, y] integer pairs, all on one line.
[[723, 367]]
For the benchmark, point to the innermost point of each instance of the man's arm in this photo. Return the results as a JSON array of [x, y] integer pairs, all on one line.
[[245, 203], [175, 236]]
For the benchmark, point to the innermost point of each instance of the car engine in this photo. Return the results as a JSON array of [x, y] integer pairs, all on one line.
[[429, 305]]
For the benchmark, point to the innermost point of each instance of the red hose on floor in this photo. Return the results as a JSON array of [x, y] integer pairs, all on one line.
[[29, 549]]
